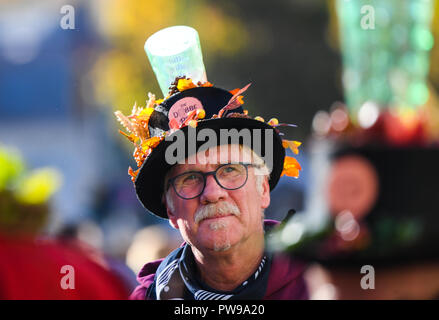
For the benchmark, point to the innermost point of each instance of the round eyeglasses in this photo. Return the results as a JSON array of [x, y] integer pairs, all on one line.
[[190, 185]]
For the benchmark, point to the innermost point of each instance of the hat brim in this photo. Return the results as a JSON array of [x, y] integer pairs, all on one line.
[[149, 182]]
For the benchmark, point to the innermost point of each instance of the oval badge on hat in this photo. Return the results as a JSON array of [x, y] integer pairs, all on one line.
[[180, 110]]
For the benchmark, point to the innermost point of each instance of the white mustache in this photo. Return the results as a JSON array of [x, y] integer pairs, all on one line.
[[220, 209]]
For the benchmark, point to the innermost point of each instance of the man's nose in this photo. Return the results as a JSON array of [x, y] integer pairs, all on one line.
[[213, 192]]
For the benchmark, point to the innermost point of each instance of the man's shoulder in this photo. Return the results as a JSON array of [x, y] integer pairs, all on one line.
[[286, 280], [145, 278]]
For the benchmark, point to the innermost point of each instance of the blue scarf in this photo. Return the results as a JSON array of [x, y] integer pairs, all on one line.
[[177, 278]]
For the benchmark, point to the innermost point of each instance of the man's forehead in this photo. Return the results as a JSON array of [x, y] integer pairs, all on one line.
[[217, 155]]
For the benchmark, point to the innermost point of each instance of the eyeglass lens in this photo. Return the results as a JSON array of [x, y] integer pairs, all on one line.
[[191, 184]]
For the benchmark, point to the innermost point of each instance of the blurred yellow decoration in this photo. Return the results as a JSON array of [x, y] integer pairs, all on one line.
[[123, 74], [38, 186], [11, 166], [273, 122]]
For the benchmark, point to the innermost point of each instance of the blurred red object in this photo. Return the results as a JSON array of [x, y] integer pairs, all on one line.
[[33, 270], [400, 131]]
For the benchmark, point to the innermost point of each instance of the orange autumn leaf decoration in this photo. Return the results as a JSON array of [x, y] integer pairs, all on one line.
[[185, 84], [206, 84], [238, 98], [235, 101], [234, 91], [130, 137], [138, 129], [291, 167], [151, 143], [293, 145], [133, 173], [137, 126]]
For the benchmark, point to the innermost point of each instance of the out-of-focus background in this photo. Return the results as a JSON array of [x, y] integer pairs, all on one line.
[[323, 65]]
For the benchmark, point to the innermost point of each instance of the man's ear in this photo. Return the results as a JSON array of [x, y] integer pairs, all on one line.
[[172, 219], [265, 195]]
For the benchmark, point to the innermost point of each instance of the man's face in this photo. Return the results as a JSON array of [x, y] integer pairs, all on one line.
[[241, 219]]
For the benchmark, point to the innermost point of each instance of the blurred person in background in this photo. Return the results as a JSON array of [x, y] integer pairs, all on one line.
[[88, 238], [48, 269], [37, 267]]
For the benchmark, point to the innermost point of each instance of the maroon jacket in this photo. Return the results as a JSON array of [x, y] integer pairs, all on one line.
[[285, 281]]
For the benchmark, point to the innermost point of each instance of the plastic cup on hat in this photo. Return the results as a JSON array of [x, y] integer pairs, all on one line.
[[175, 51]]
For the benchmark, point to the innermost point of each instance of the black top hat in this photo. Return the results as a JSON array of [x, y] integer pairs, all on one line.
[[188, 105], [218, 108]]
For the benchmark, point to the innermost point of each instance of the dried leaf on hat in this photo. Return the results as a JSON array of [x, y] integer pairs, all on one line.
[[124, 121], [291, 167], [293, 145], [234, 91], [185, 84], [132, 137], [151, 143], [205, 84], [133, 173], [234, 102]]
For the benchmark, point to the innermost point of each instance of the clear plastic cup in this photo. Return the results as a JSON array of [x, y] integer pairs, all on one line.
[[175, 51]]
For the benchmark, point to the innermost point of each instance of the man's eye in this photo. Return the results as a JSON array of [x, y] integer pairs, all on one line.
[[191, 178], [229, 169]]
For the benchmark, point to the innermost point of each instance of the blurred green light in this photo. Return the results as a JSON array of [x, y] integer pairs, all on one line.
[[390, 63], [422, 38], [418, 93], [420, 10]]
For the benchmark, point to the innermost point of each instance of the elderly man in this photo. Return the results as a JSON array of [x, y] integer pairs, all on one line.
[[215, 195]]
